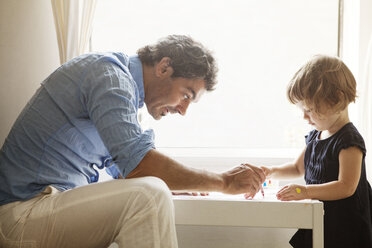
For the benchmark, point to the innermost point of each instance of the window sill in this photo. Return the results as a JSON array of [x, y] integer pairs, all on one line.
[[219, 159]]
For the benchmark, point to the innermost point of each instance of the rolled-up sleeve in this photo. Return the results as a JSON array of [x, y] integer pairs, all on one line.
[[111, 99]]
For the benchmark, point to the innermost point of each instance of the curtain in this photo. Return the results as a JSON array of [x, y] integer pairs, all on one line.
[[73, 20], [365, 111]]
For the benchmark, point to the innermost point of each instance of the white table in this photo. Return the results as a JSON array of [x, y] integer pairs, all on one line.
[[226, 210]]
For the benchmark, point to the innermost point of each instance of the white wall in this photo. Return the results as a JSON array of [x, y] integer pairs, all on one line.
[[357, 35], [365, 33], [365, 36], [28, 54]]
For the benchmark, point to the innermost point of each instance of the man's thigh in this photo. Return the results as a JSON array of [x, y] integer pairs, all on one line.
[[88, 216]]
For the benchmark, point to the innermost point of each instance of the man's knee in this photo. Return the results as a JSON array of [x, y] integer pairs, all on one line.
[[156, 188], [153, 188]]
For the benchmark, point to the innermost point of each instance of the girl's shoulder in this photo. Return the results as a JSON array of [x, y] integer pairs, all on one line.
[[346, 137], [349, 136]]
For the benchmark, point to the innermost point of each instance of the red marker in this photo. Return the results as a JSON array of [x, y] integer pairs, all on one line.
[[262, 191]]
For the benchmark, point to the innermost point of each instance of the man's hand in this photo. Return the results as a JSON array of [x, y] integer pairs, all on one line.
[[191, 193], [245, 178], [242, 179]]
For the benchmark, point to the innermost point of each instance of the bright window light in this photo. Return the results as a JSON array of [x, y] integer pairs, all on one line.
[[259, 45]]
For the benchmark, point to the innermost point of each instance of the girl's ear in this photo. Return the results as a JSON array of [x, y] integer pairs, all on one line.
[[342, 96]]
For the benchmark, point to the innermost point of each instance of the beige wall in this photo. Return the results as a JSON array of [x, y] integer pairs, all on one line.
[[28, 54]]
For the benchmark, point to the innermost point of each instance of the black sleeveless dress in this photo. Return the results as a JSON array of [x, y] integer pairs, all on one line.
[[347, 222]]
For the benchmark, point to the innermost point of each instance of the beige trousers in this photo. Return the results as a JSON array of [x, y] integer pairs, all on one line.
[[131, 212]]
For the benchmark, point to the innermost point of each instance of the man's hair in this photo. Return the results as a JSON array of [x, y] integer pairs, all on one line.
[[323, 80], [189, 59]]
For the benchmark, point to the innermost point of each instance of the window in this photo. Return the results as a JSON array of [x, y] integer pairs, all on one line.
[[259, 45]]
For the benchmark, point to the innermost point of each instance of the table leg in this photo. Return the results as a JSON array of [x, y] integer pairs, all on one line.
[[318, 226]]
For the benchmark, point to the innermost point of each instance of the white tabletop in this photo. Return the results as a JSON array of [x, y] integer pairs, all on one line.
[[234, 210]]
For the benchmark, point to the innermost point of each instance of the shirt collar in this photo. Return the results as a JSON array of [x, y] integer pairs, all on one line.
[[135, 68]]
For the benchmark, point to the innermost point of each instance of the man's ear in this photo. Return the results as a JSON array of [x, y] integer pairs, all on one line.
[[163, 68]]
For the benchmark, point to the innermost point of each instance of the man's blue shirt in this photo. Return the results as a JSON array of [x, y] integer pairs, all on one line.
[[83, 116]]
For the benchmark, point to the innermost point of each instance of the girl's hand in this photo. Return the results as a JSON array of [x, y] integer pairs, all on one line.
[[267, 170], [292, 192]]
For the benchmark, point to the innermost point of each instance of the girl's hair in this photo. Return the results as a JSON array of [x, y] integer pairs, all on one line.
[[189, 58], [323, 80]]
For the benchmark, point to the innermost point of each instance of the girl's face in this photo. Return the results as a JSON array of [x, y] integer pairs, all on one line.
[[327, 120]]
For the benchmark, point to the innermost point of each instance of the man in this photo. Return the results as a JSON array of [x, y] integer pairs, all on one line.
[[84, 117]]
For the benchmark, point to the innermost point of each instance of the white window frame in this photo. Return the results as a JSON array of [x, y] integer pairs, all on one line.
[[218, 159]]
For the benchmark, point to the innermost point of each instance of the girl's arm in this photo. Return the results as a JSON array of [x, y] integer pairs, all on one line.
[[350, 160], [348, 178], [290, 170]]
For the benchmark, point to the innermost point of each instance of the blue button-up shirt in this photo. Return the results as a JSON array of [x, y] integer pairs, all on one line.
[[83, 116]]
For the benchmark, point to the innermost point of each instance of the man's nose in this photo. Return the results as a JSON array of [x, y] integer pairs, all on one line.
[[182, 107]]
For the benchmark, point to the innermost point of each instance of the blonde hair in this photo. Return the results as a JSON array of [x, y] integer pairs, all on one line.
[[323, 80]]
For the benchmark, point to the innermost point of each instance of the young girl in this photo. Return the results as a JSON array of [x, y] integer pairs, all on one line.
[[333, 161]]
